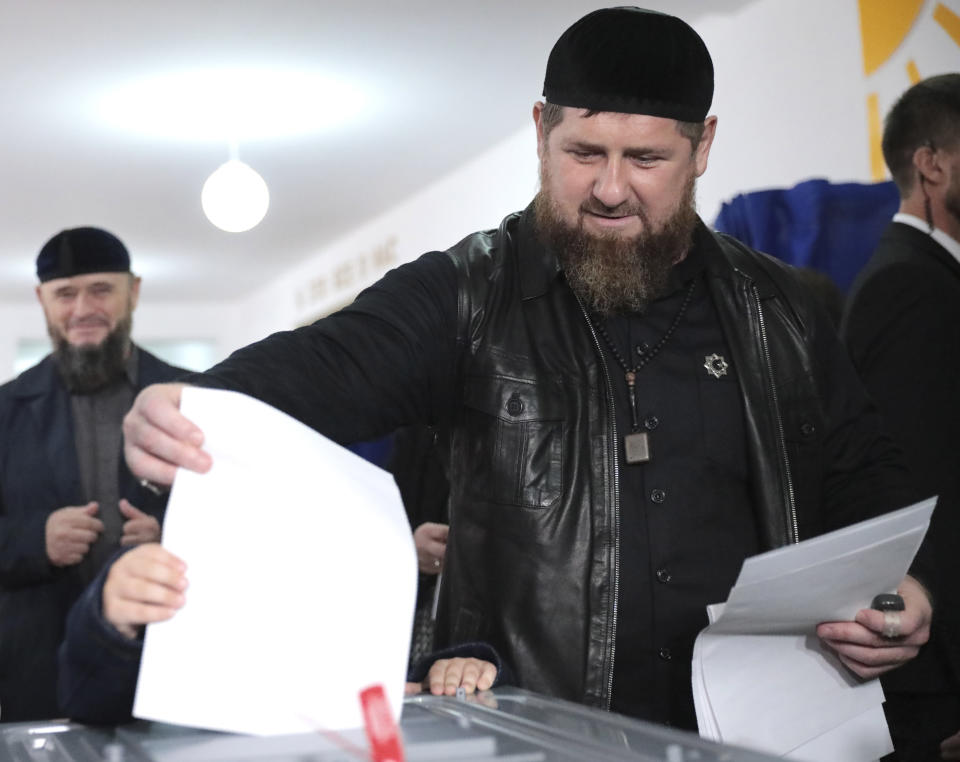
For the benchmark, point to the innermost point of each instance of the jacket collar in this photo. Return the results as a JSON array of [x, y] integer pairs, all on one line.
[[538, 263], [920, 239], [943, 238], [38, 381]]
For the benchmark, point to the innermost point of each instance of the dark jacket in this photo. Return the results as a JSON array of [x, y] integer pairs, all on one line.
[[489, 341], [902, 327], [98, 665], [39, 473], [534, 500]]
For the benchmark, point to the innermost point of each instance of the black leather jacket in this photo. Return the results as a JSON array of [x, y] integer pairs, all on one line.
[[510, 365], [533, 561]]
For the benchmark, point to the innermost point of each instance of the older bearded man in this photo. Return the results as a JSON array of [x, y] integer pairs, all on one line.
[[67, 501], [635, 404]]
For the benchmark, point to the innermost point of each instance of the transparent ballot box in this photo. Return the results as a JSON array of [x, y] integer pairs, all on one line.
[[505, 724]]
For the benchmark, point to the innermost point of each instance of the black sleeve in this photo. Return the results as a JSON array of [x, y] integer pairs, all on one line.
[[385, 361], [901, 331], [479, 650], [98, 665], [866, 473]]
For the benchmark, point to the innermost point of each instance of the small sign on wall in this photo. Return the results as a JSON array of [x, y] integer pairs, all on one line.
[[343, 280]]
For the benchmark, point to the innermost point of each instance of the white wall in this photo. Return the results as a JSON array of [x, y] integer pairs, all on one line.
[[476, 197], [791, 99]]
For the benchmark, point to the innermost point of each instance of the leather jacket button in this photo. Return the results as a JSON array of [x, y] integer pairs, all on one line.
[[808, 429], [664, 576], [651, 422], [515, 404], [642, 348], [658, 496], [664, 653]]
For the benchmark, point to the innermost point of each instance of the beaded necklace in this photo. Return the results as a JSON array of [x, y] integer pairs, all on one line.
[[637, 443]]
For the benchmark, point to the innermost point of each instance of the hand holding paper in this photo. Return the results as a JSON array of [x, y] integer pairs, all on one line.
[[284, 623], [145, 585], [761, 677], [862, 646], [158, 438]]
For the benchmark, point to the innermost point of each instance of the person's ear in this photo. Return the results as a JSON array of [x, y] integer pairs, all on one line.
[[927, 162], [134, 291], [702, 151], [538, 122]]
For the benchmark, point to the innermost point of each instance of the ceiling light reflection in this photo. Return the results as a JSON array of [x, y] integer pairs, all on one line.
[[244, 104]]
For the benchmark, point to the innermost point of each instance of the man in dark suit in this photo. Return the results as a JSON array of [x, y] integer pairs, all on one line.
[[67, 499], [902, 326]]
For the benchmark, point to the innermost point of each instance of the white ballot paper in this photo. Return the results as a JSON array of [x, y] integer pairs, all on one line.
[[761, 678], [302, 580]]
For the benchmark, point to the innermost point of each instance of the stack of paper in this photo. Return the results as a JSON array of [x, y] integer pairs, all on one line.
[[302, 577], [761, 677]]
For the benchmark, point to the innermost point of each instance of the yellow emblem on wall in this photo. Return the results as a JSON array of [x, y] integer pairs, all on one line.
[[883, 27]]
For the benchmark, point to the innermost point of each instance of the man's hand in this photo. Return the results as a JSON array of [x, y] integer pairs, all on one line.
[[431, 542], [144, 585], [446, 675], [158, 439], [139, 527], [70, 532], [950, 748], [877, 641]]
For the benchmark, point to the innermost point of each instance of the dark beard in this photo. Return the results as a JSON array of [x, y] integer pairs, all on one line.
[[87, 368], [612, 274]]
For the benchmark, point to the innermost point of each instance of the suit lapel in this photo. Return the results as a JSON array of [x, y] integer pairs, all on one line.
[[909, 238], [53, 417]]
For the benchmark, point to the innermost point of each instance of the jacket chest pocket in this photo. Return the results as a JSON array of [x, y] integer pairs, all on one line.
[[514, 448]]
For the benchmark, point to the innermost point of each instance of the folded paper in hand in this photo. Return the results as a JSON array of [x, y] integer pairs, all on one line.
[[761, 677]]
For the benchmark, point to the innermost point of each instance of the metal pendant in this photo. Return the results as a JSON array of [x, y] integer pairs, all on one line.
[[715, 364], [637, 446]]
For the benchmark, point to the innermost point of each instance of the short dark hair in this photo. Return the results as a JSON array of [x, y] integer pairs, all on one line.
[[552, 115], [928, 114]]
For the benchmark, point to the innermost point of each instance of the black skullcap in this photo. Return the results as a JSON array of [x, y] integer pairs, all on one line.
[[80, 251], [632, 61]]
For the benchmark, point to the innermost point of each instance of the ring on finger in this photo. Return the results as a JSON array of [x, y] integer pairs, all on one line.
[[891, 624]]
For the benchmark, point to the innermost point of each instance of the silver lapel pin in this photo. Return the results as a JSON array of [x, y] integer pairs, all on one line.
[[716, 366]]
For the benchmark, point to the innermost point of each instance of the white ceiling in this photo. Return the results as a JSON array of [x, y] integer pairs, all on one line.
[[445, 80]]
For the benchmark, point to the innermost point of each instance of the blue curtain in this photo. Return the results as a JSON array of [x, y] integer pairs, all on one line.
[[832, 228]]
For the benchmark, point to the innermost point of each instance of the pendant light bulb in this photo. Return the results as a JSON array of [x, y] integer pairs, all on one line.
[[235, 198]]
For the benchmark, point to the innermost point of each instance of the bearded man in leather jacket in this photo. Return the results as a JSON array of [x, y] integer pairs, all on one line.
[[635, 403]]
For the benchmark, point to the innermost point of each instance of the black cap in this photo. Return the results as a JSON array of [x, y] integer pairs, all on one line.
[[631, 61], [79, 251]]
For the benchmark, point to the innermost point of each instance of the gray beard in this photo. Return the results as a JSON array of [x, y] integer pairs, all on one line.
[[88, 368], [612, 274]]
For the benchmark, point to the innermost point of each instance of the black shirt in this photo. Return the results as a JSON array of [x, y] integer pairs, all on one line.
[[686, 521]]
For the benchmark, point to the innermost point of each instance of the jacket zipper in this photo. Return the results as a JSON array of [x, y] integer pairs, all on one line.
[[616, 503], [781, 439]]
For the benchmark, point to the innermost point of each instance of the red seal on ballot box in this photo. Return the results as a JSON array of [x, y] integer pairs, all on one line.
[[382, 731]]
